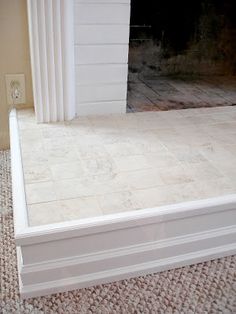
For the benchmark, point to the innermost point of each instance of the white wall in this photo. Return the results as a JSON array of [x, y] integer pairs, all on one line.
[[101, 55]]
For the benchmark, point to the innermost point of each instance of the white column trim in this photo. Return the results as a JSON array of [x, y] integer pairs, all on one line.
[[51, 32]]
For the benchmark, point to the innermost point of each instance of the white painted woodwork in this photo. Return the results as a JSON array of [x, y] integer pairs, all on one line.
[[101, 92], [102, 1], [18, 188], [101, 55], [102, 13], [101, 34], [77, 43], [51, 32], [82, 253], [101, 73], [101, 107]]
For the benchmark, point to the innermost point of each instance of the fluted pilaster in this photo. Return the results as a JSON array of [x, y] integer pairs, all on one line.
[[51, 32]]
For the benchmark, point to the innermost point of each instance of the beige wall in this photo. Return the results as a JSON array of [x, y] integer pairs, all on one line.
[[14, 56]]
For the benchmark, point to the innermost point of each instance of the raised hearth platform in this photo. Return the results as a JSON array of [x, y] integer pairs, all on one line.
[[80, 251]]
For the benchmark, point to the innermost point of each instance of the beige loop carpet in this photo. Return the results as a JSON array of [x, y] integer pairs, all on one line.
[[204, 288]]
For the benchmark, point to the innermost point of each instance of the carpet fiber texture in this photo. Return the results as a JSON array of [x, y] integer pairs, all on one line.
[[203, 288]]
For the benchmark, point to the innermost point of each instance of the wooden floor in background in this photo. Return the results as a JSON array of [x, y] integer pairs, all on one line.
[[154, 93]]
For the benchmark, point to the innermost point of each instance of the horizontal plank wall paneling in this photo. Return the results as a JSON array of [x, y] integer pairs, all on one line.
[[101, 34], [101, 55], [102, 1], [102, 107], [102, 13], [101, 92], [96, 54], [101, 73]]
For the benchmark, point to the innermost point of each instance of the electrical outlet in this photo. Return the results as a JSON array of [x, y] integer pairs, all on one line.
[[15, 85]]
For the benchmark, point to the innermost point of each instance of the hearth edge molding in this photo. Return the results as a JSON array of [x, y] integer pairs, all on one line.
[[86, 252], [120, 273], [132, 249]]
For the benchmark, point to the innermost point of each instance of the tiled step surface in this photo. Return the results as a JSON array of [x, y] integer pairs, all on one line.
[[94, 166]]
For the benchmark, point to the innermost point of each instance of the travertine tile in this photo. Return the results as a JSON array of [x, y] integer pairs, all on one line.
[[25, 124], [190, 112], [80, 208], [56, 131], [213, 188], [215, 152], [88, 151], [128, 163], [40, 192], [66, 170], [175, 175], [123, 149], [161, 160], [64, 142], [118, 202], [83, 130], [59, 211], [101, 165], [104, 122], [227, 168], [89, 186], [179, 122], [189, 156], [37, 172], [61, 155], [31, 135], [31, 157], [140, 179], [98, 166], [29, 147], [231, 148], [164, 195], [221, 128], [31, 140], [201, 120], [137, 147], [224, 139], [70, 188], [201, 171]]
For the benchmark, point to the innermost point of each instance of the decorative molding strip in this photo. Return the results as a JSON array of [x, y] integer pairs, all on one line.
[[51, 32], [190, 240], [120, 221], [126, 272], [18, 185]]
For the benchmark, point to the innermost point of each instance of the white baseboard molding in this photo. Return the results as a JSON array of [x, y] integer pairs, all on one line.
[[86, 252], [101, 108]]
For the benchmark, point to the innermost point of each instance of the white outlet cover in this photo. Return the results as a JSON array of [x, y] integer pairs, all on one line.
[[19, 78]]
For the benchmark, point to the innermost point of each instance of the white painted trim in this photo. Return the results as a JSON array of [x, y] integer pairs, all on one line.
[[18, 186], [68, 57], [51, 33], [130, 250], [106, 223], [127, 272]]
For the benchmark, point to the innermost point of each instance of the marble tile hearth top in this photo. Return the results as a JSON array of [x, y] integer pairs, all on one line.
[[94, 166]]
